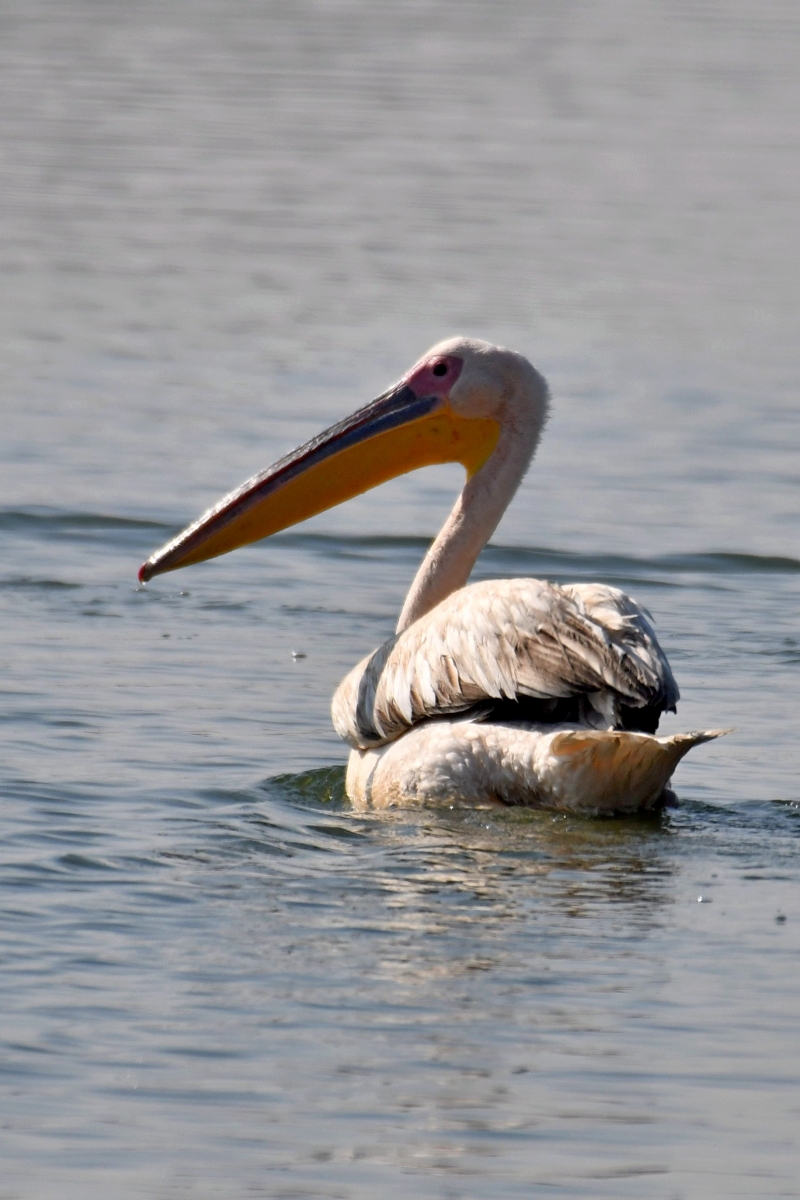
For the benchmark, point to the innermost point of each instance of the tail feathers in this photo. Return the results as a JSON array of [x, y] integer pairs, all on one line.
[[681, 743], [617, 771]]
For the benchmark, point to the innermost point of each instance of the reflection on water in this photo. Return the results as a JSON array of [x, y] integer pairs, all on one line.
[[504, 857]]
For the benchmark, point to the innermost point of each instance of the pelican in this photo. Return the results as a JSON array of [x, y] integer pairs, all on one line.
[[512, 691]]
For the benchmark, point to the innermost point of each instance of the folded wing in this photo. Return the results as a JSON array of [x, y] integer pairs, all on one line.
[[517, 648]]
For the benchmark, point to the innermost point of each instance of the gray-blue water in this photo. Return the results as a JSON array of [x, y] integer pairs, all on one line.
[[225, 225]]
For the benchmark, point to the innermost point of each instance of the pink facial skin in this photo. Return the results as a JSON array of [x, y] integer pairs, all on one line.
[[436, 376]]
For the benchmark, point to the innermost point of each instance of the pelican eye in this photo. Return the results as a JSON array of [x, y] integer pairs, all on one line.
[[440, 368]]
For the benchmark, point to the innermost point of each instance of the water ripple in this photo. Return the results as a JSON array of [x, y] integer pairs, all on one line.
[[47, 523]]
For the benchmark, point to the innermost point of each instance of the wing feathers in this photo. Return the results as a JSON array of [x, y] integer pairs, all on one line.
[[502, 639]]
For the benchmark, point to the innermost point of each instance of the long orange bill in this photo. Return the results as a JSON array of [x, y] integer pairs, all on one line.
[[396, 433]]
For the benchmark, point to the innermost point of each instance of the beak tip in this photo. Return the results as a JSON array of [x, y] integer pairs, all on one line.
[[144, 572]]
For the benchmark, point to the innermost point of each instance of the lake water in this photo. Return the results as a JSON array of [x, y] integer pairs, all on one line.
[[225, 225]]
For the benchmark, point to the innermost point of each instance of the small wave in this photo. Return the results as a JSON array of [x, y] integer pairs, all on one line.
[[43, 520], [29, 583], [49, 523], [320, 786], [545, 560], [703, 562]]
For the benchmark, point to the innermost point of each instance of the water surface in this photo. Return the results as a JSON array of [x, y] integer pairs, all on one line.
[[224, 227]]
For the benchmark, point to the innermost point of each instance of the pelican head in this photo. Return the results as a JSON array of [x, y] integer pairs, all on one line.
[[492, 382], [451, 406]]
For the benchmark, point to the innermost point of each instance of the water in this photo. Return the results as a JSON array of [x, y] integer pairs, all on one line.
[[225, 226]]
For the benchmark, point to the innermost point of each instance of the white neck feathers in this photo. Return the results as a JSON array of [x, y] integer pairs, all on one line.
[[477, 512]]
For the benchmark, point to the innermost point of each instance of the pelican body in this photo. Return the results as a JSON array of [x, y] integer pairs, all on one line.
[[511, 691]]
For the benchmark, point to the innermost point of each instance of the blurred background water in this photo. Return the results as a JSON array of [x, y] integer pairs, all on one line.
[[223, 226]]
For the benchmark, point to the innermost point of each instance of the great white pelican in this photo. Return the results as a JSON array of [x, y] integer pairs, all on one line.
[[513, 691]]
